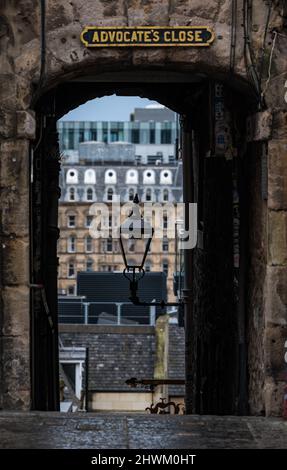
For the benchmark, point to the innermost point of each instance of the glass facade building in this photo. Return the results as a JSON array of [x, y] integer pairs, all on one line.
[[72, 133]]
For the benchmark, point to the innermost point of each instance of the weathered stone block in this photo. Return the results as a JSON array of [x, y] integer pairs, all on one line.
[[259, 126], [14, 165], [277, 238], [274, 346], [26, 124], [7, 124], [276, 295], [15, 261], [273, 397], [277, 174], [16, 315], [14, 215], [279, 130]]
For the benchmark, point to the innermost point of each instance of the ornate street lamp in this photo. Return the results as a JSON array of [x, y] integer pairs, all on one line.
[[135, 230]]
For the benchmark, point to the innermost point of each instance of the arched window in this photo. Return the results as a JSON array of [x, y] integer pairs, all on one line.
[[165, 195], [131, 194], [90, 177], [72, 176], [149, 177], [89, 194], [165, 177], [72, 194], [110, 177], [148, 195], [132, 177], [72, 244], [110, 194], [88, 244]]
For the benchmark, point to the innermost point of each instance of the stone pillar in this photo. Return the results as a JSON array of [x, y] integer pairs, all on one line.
[[276, 275], [17, 128]]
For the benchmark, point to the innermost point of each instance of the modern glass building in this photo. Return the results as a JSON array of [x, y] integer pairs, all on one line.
[[72, 133]]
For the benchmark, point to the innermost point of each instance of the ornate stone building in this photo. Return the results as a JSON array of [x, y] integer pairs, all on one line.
[[95, 172]]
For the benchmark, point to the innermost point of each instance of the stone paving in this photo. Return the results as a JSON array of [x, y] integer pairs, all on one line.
[[39, 430]]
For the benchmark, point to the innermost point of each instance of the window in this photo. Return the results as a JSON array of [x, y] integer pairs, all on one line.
[[149, 177], [147, 267], [89, 219], [110, 221], [81, 135], [71, 221], [165, 195], [165, 244], [70, 139], [152, 136], [89, 194], [165, 267], [89, 265], [109, 245], [148, 195], [72, 244], [90, 177], [94, 134], [135, 136], [72, 176], [110, 194], [165, 135], [165, 221], [110, 177], [72, 194], [132, 177], [131, 194], [88, 244], [71, 269], [72, 290], [131, 245], [165, 177]]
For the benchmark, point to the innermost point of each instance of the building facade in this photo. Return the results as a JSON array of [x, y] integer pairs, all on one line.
[[109, 172]]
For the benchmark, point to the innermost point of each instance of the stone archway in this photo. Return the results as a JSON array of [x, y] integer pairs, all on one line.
[[31, 68]]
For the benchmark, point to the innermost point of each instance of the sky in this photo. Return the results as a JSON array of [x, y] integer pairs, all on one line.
[[108, 108]]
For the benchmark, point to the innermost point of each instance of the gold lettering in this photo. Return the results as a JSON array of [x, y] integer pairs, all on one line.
[[112, 35], [182, 36], [95, 37], [134, 37], [198, 37], [166, 36], [190, 36], [120, 36], [147, 36], [104, 36], [155, 36], [140, 35], [127, 36]]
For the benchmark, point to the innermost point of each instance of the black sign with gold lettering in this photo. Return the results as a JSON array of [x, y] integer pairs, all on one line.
[[147, 36]]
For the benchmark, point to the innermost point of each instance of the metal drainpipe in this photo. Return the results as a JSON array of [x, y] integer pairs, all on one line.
[[188, 197]]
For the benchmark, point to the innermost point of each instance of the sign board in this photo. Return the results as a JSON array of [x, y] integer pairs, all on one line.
[[147, 36]]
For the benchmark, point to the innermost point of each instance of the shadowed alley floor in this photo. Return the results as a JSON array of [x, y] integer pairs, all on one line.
[[38, 430]]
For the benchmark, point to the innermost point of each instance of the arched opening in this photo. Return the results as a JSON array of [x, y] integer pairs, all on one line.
[[217, 175]]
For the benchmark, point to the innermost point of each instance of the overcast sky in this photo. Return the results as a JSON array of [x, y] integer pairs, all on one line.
[[108, 108]]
